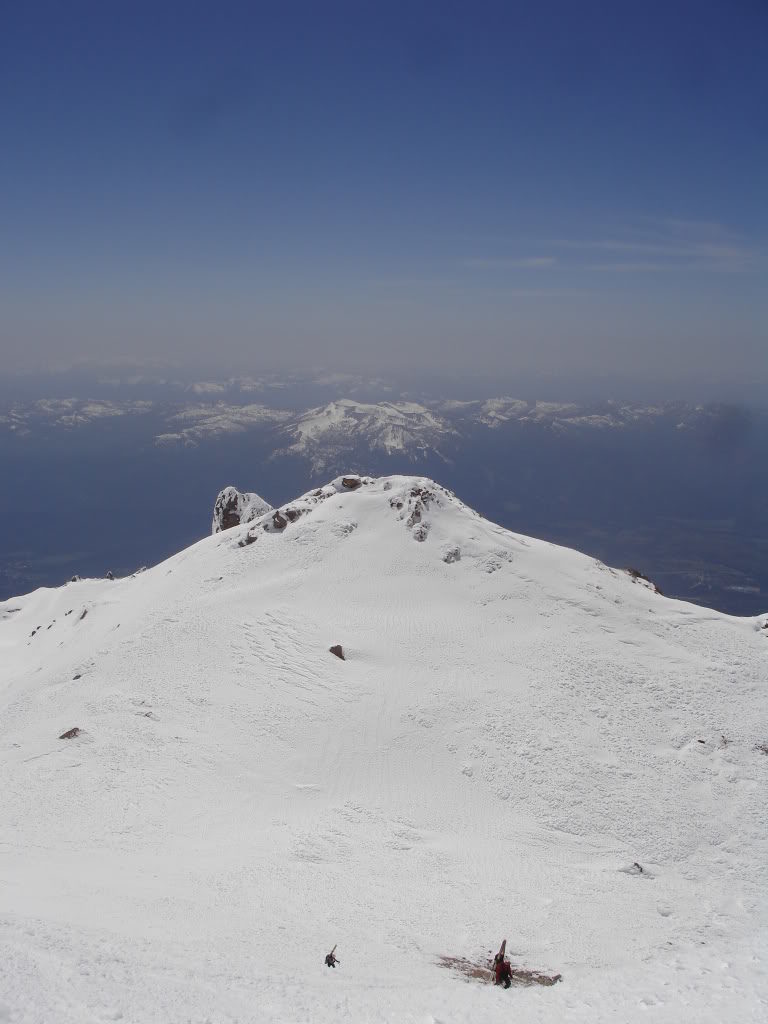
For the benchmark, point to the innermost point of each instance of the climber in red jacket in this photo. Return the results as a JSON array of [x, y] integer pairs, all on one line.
[[502, 969]]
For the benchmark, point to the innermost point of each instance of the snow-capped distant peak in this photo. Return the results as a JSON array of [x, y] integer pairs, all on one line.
[[327, 433]]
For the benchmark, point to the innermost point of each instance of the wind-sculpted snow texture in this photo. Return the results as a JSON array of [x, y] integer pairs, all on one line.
[[514, 726]]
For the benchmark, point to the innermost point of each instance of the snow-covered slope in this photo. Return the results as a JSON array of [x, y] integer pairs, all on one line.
[[513, 727]]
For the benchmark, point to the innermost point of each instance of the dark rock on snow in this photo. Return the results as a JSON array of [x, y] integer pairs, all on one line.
[[637, 575]]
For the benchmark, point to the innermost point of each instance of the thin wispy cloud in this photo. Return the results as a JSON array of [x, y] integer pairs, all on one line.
[[657, 245], [651, 267], [708, 230], [522, 263], [408, 288], [714, 250], [545, 293]]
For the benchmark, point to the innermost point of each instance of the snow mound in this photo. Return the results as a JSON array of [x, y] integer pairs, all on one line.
[[519, 742]]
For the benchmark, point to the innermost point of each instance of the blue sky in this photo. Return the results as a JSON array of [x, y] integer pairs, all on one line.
[[564, 187]]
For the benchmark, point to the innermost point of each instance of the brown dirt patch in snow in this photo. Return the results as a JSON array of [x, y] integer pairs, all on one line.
[[478, 972]]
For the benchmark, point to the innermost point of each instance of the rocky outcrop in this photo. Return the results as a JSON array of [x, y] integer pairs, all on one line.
[[413, 509], [233, 508], [288, 514], [640, 577]]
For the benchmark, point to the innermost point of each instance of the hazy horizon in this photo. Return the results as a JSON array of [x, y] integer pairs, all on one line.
[[95, 378]]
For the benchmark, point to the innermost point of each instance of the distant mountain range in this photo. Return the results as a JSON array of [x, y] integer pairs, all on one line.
[[328, 434], [678, 490]]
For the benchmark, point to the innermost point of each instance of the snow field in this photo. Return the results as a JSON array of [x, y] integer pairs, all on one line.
[[512, 729]]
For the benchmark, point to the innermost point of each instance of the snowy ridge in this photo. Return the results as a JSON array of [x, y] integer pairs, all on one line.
[[514, 726], [207, 422], [67, 413]]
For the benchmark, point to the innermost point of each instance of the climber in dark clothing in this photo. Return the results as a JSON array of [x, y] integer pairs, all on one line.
[[502, 971], [330, 960]]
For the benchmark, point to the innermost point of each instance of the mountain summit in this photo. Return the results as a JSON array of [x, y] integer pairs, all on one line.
[[199, 800]]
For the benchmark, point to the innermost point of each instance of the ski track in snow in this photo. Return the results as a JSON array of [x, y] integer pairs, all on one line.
[[509, 732]]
